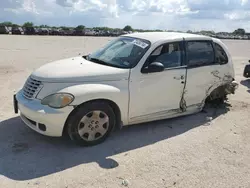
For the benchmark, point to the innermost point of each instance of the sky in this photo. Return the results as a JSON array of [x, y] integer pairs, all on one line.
[[217, 15]]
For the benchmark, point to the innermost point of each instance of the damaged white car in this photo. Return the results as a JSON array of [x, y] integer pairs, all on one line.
[[135, 78]]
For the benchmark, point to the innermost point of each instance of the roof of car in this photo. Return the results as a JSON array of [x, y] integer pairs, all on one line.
[[158, 36]]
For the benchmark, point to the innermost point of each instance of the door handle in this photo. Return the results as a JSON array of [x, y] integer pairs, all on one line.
[[179, 78]]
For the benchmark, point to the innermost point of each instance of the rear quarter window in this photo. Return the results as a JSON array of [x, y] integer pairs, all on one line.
[[221, 56]]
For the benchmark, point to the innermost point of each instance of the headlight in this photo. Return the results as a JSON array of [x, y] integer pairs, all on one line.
[[58, 100]]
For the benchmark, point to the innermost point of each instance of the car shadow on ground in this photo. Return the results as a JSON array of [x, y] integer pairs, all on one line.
[[246, 83], [25, 155]]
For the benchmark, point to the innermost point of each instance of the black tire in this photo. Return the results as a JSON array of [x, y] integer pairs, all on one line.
[[80, 112], [246, 72]]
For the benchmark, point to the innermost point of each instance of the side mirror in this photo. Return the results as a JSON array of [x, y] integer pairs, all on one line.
[[154, 67]]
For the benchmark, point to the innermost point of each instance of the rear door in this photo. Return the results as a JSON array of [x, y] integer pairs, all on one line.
[[203, 70]]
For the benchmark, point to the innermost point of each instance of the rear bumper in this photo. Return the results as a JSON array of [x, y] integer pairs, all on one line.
[[231, 87], [246, 72], [40, 118]]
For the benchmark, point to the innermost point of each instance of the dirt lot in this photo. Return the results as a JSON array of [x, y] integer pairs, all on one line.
[[192, 151]]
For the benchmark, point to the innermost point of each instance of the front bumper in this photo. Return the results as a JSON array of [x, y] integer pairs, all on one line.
[[43, 119]]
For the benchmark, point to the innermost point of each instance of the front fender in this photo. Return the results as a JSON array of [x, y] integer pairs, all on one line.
[[87, 92]]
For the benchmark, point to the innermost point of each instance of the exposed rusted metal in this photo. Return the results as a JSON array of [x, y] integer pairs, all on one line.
[[183, 104]]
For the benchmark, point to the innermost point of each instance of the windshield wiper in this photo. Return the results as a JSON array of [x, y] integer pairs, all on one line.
[[101, 62], [98, 61], [86, 56]]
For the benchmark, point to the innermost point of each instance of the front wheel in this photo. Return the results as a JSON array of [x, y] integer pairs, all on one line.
[[91, 123]]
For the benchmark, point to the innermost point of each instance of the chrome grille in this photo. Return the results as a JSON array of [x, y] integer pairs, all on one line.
[[31, 87]]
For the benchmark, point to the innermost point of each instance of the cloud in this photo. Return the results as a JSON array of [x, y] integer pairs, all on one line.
[[64, 3], [238, 15], [151, 14]]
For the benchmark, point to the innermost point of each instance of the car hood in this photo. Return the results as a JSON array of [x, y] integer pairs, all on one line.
[[78, 69]]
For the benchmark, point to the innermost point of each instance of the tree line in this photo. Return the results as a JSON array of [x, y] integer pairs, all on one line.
[[79, 27], [239, 31]]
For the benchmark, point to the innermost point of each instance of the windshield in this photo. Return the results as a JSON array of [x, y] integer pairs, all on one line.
[[124, 52]]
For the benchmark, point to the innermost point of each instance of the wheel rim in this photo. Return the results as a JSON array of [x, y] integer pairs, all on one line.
[[93, 125]]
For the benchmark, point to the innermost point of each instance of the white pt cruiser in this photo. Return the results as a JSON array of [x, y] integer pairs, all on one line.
[[135, 78]]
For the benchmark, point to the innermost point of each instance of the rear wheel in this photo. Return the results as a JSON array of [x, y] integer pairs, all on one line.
[[217, 97], [91, 123]]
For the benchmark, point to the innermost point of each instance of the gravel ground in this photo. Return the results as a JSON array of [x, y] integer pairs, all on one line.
[[209, 149]]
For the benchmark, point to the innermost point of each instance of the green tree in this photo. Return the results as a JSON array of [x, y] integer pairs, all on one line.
[[64, 28], [15, 25], [128, 28], [8, 24], [28, 24], [102, 28], [239, 31], [44, 26], [80, 27]]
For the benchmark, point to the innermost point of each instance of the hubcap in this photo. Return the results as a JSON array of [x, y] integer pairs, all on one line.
[[93, 125]]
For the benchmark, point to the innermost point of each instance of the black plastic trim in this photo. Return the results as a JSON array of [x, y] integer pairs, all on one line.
[[15, 103]]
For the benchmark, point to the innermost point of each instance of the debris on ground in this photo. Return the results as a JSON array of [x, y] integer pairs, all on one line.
[[125, 182]]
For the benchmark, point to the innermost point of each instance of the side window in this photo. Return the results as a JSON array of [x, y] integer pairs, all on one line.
[[200, 53], [221, 56], [168, 54]]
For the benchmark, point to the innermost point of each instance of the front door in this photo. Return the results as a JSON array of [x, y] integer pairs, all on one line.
[[155, 95]]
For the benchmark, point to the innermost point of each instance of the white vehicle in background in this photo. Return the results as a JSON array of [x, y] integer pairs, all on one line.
[[135, 78], [89, 32]]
